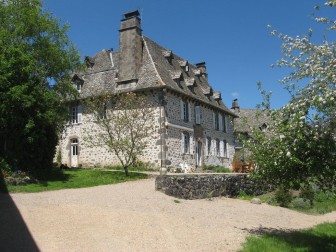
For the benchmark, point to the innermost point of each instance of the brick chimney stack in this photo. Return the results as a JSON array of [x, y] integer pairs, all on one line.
[[235, 105], [130, 48]]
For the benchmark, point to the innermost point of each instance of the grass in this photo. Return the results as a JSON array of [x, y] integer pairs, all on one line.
[[324, 202], [134, 169], [319, 238], [74, 178], [216, 168]]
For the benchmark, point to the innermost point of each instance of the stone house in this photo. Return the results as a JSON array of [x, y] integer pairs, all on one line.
[[193, 127]]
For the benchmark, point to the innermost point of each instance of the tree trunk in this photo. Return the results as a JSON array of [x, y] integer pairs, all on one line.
[[126, 170]]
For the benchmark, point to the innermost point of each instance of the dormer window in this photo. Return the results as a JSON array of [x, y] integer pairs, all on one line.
[[168, 54], [79, 85], [177, 77]]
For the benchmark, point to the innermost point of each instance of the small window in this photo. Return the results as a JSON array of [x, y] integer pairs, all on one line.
[[79, 85], [74, 115], [215, 121], [187, 68], [224, 123], [74, 147], [185, 143], [217, 148], [185, 110], [209, 145], [197, 114]]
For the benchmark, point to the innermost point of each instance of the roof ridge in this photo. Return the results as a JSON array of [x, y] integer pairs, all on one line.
[[151, 59]]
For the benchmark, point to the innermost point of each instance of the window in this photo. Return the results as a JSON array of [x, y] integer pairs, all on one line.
[[217, 147], [185, 115], [187, 68], [74, 147], [187, 143], [225, 149], [224, 123], [197, 114], [79, 85], [76, 114], [215, 120], [209, 146]]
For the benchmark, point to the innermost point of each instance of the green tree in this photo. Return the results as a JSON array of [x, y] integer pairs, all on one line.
[[299, 147], [36, 59], [122, 124]]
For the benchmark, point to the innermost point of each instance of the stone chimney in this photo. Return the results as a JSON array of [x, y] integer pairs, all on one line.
[[201, 66], [235, 105], [130, 48]]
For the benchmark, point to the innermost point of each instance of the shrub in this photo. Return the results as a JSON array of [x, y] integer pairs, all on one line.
[[307, 194], [283, 197], [300, 203]]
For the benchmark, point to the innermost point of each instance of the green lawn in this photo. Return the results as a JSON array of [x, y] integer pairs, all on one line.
[[74, 178], [320, 238], [324, 202], [133, 169]]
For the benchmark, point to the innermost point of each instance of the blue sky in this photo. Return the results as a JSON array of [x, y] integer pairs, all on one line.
[[230, 36]]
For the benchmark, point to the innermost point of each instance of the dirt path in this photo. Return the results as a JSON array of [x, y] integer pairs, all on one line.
[[134, 217]]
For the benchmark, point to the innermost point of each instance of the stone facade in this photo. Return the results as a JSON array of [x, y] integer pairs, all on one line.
[[191, 124], [200, 186]]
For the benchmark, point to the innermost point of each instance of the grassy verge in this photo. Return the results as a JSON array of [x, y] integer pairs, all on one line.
[[74, 178], [216, 168], [133, 169], [319, 238], [324, 202]]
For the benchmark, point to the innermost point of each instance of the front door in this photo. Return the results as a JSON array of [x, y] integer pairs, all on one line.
[[199, 153], [74, 152]]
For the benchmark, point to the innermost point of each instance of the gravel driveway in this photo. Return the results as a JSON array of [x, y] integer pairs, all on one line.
[[132, 216]]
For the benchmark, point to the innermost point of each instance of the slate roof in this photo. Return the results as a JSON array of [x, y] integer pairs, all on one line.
[[156, 72], [250, 119]]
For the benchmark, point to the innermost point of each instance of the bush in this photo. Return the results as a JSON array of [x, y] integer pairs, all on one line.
[[300, 203], [283, 197], [4, 166], [307, 194]]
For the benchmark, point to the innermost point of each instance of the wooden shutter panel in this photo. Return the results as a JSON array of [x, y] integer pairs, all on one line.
[[79, 113], [220, 122], [182, 112], [214, 120], [189, 112], [182, 143], [221, 145], [206, 147], [227, 150], [191, 143], [198, 115]]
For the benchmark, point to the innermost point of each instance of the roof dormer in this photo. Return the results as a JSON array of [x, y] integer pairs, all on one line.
[[78, 82], [184, 65], [168, 54]]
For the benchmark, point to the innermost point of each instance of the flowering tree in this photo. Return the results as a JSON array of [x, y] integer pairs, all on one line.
[[299, 146], [123, 123]]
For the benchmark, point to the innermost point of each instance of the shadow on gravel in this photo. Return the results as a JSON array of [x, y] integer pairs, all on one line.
[[299, 240], [14, 234]]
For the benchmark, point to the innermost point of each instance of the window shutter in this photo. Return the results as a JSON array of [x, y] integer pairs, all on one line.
[[79, 114], [191, 142], [206, 147], [224, 123], [189, 112], [220, 122], [182, 143], [197, 115], [213, 147], [227, 150], [221, 148], [182, 112], [214, 120]]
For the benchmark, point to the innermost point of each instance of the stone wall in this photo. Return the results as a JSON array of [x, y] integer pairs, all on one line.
[[199, 186], [90, 155], [200, 133]]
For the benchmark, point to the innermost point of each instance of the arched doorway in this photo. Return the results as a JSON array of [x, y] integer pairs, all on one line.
[[74, 152]]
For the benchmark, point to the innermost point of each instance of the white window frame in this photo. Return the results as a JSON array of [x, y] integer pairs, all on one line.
[[76, 114], [185, 142]]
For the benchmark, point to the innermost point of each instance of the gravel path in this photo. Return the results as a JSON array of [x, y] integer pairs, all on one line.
[[133, 216]]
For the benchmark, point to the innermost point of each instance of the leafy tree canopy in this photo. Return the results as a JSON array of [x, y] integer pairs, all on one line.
[[36, 59], [299, 147]]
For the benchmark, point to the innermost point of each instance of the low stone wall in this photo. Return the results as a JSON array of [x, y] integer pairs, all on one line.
[[199, 186]]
